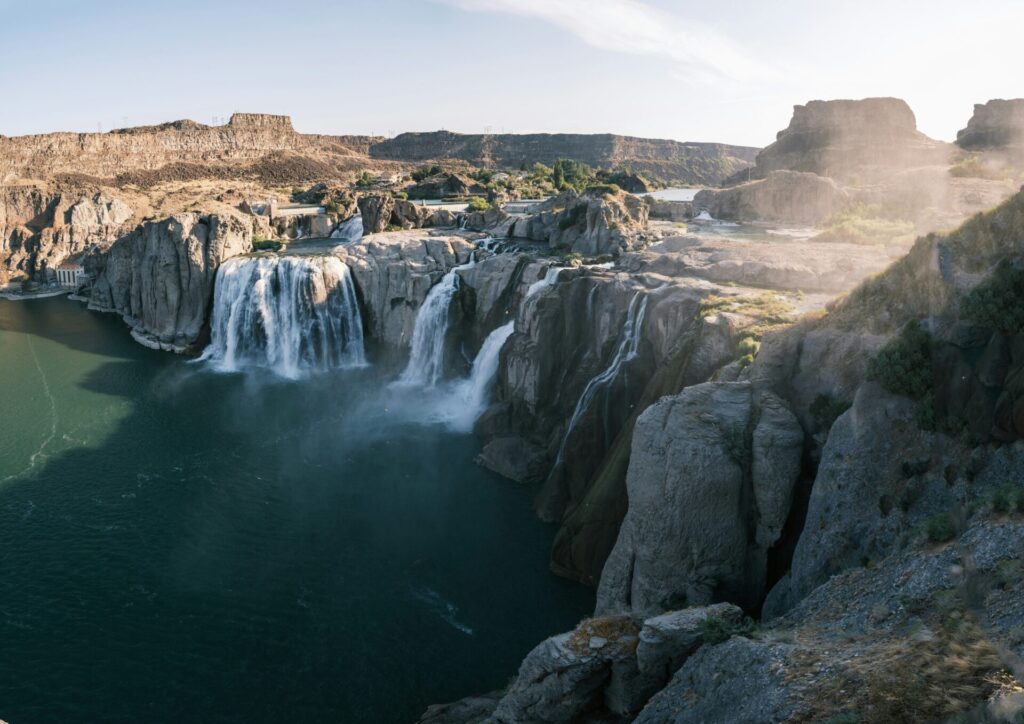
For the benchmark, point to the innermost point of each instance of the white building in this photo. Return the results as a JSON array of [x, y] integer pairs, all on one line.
[[70, 274]]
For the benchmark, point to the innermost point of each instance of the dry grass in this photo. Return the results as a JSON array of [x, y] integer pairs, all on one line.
[[920, 678], [621, 631]]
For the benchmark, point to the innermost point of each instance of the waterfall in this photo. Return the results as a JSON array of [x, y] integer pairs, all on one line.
[[628, 348], [426, 353], [485, 367], [351, 230], [550, 277], [286, 313]]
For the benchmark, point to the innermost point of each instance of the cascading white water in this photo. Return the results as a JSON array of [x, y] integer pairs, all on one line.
[[426, 352], [288, 314], [550, 277], [351, 230], [485, 366], [469, 397], [628, 347]]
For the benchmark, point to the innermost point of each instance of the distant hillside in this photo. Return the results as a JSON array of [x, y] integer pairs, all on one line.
[[696, 163], [267, 147]]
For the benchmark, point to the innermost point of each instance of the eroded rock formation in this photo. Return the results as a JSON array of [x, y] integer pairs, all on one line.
[[852, 141], [710, 485], [41, 226], [160, 277]]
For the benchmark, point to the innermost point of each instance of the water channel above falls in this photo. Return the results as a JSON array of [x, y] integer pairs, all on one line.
[[178, 544]]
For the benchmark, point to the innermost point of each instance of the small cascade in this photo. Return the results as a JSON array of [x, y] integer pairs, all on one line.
[[485, 367], [351, 230], [628, 347], [426, 353], [288, 314], [550, 277]]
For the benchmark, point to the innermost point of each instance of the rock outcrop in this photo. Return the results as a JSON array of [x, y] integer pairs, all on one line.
[[40, 227], [791, 197], [376, 211], [160, 277], [852, 141], [393, 274], [599, 221], [606, 667], [710, 485], [996, 125]]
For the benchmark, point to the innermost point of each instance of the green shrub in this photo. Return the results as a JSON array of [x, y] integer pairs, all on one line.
[[571, 217], [569, 173], [998, 302], [401, 195], [1001, 501], [748, 346], [426, 172], [864, 224], [716, 630], [261, 244], [365, 179], [973, 167], [826, 410], [1017, 500], [477, 203], [603, 189], [940, 529], [904, 365]]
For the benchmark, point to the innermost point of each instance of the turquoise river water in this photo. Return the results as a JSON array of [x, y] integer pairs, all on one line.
[[183, 545]]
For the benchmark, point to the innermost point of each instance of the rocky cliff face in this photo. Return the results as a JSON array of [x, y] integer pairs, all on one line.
[[996, 125], [212, 151], [41, 226], [695, 163], [868, 469], [710, 486], [852, 141], [160, 277]]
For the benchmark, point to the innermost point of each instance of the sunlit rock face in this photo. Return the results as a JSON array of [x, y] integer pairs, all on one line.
[[852, 140], [41, 226], [160, 277]]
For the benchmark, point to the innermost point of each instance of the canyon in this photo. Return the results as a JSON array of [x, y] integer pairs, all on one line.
[[804, 406]]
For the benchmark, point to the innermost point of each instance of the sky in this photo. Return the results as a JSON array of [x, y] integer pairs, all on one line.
[[728, 71]]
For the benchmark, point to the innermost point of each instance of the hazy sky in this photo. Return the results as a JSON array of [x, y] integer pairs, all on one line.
[[729, 70]]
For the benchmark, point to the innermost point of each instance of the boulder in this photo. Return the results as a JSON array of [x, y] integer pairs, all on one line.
[[737, 682], [376, 210], [514, 458], [408, 215], [710, 484], [607, 666]]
